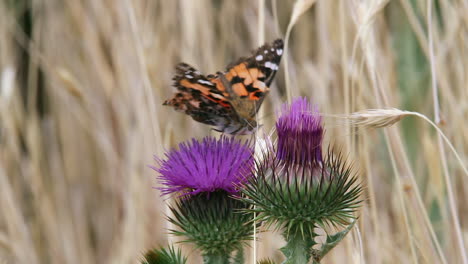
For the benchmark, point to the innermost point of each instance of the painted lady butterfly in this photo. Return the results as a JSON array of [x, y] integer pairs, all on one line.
[[228, 100]]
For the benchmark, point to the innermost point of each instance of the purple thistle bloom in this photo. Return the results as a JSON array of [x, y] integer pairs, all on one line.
[[300, 133], [207, 166]]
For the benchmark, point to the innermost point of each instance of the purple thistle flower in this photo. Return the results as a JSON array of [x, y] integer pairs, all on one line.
[[300, 133], [207, 166]]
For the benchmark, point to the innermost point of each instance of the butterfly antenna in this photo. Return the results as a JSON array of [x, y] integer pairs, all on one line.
[[250, 125]]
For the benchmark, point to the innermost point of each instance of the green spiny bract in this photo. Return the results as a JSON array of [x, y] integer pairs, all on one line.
[[297, 199], [164, 256], [213, 222]]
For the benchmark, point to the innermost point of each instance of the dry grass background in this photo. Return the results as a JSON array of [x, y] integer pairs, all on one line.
[[82, 83]]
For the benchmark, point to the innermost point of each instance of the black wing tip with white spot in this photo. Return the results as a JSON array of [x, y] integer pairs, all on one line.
[[184, 70], [278, 43], [269, 52], [267, 58]]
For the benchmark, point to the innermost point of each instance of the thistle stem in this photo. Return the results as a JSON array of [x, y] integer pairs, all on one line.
[[298, 249], [216, 259]]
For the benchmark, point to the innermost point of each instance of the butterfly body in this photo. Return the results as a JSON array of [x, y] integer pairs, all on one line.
[[229, 100]]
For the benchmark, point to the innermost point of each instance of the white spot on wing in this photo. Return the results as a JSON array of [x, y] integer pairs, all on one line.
[[270, 65], [217, 96], [205, 82], [260, 85], [266, 51], [279, 52], [189, 76], [259, 58]]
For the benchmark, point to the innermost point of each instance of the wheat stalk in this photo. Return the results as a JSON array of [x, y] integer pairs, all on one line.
[[300, 7], [377, 118], [380, 118]]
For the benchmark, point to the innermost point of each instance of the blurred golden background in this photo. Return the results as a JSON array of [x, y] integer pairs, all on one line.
[[81, 89]]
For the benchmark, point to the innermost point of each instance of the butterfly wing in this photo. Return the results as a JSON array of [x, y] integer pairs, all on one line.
[[249, 78], [231, 99], [200, 96]]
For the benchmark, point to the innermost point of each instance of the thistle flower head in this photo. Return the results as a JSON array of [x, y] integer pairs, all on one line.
[[300, 133], [299, 199], [206, 166], [215, 167], [295, 188]]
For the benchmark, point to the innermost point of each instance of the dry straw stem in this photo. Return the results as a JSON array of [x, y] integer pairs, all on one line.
[[300, 7], [7, 84], [92, 143], [379, 118], [70, 83], [260, 41], [369, 34], [409, 231], [435, 97]]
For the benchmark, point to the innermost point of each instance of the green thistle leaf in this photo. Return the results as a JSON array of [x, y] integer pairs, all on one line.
[[331, 242]]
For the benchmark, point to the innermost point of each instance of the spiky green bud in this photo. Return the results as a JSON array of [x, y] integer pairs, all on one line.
[[213, 223], [164, 256], [297, 199]]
